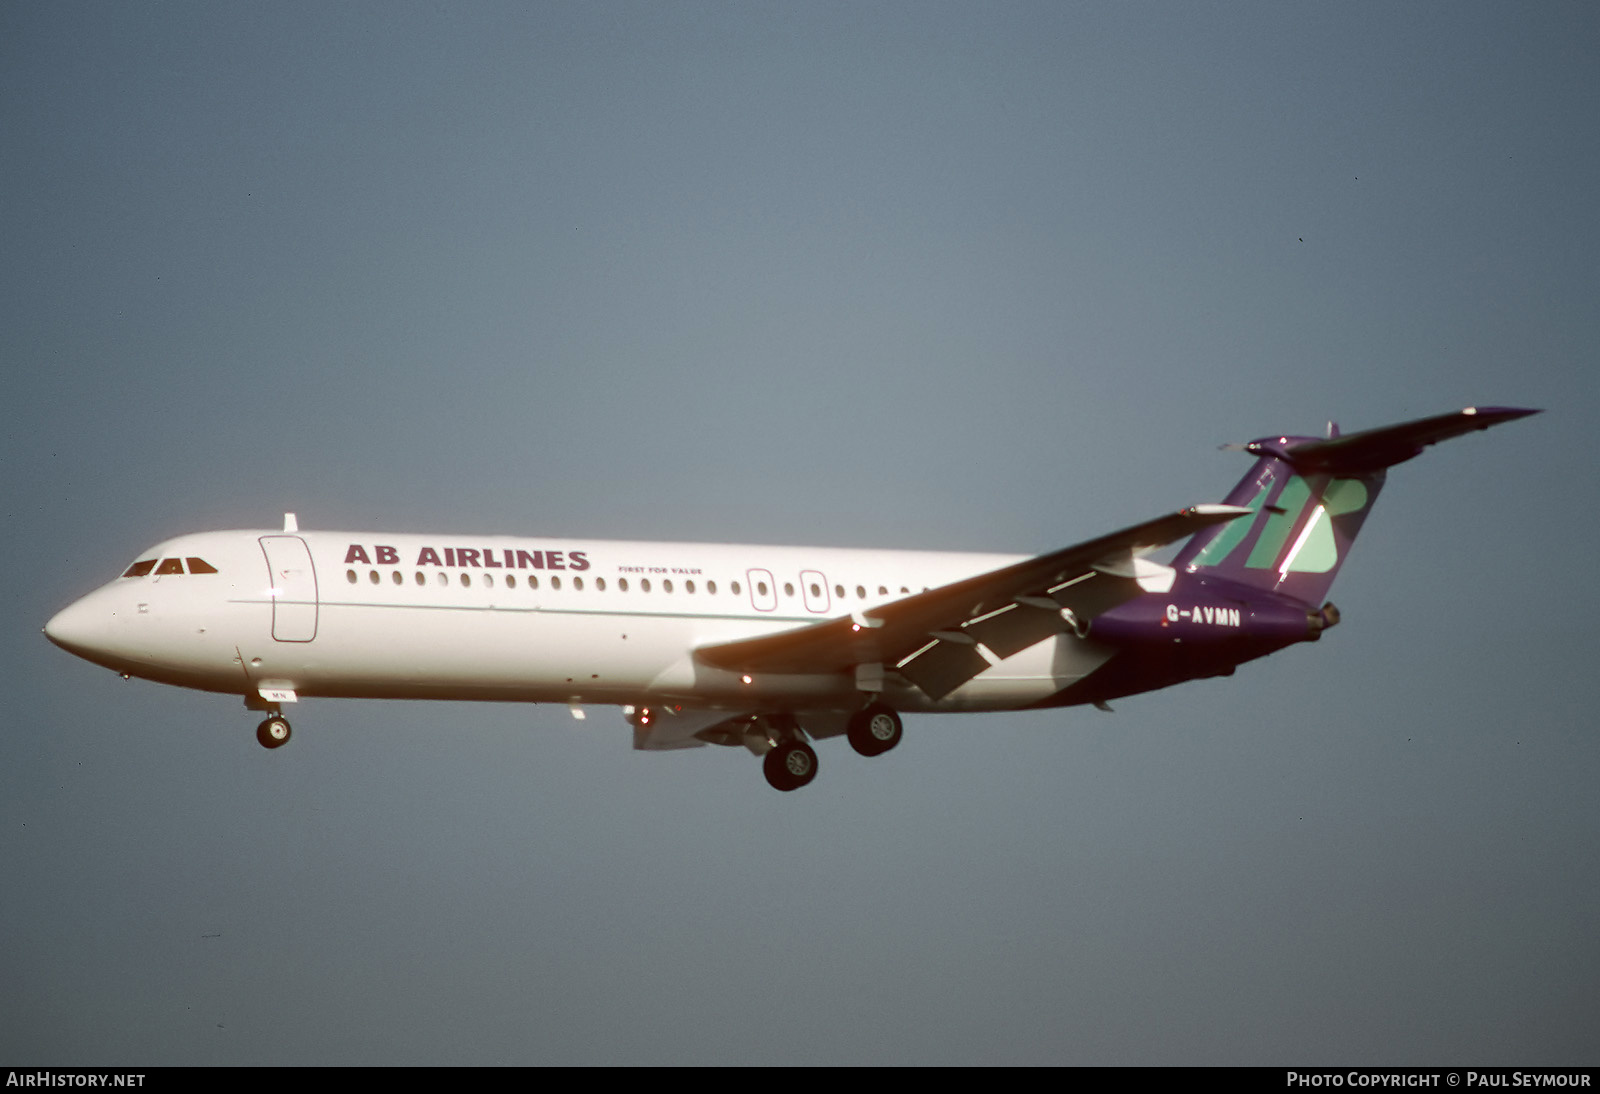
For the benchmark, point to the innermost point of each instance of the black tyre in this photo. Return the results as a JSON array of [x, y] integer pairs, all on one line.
[[273, 733], [790, 765], [875, 730]]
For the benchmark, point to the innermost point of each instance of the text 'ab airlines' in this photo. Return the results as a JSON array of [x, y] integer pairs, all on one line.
[[764, 648]]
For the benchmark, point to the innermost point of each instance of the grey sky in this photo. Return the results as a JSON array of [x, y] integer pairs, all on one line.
[[989, 276]]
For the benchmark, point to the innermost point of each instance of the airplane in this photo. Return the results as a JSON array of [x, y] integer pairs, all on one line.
[[765, 648]]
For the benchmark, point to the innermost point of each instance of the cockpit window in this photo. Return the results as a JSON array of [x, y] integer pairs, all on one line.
[[169, 566]]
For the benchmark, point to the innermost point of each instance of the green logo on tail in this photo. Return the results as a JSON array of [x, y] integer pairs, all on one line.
[[1314, 549]]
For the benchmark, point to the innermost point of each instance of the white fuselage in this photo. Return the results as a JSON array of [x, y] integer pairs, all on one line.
[[385, 615]]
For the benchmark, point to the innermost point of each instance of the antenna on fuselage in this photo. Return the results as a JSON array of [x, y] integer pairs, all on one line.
[[289, 523]]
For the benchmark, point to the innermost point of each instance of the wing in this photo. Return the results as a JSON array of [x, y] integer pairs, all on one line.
[[944, 637]]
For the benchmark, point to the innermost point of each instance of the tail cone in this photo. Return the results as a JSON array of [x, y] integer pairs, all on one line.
[[1320, 620]]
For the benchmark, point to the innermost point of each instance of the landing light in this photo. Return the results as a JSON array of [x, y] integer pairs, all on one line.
[[746, 679]]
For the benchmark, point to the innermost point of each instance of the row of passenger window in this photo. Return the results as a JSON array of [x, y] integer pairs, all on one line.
[[532, 582], [146, 566], [168, 566]]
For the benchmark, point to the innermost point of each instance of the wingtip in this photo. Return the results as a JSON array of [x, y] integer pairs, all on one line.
[[1493, 415]]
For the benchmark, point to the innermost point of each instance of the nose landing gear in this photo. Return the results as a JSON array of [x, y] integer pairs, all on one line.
[[273, 732]]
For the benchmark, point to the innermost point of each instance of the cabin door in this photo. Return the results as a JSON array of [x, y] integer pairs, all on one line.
[[293, 590]]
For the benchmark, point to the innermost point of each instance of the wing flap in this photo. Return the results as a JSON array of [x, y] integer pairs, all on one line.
[[1015, 627], [943, 665], [1067, 607]]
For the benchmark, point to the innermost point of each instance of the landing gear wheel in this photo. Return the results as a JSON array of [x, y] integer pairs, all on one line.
[[790, 765], [875, 730], [273, 733]]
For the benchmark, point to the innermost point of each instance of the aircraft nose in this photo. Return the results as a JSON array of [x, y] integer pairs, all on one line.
[[78, 628]]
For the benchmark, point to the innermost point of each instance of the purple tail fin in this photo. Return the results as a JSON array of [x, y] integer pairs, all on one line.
[[1311, 496], [1302, 529]]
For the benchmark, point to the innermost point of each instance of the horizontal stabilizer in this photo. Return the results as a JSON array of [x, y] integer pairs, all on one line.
[[1375, 449], [1311, 496]]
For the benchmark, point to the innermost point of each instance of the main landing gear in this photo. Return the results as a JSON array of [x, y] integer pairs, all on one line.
[[875, 730], [274, 732], [791, 763]]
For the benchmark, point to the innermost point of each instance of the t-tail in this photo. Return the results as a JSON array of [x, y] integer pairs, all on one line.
[[1256, 584], [1309, 497]]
